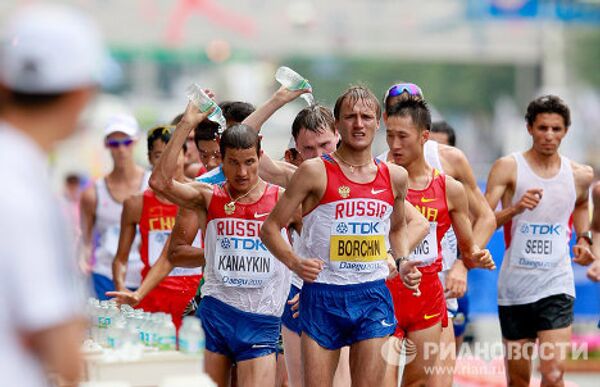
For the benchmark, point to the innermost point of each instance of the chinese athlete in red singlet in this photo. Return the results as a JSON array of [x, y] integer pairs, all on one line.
[[442, 200]]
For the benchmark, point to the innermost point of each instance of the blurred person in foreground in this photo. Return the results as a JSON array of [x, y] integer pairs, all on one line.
[[49, 59]]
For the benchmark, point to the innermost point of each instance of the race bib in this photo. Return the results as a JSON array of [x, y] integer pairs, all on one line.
[[539, 245], [427, 250], [243, 262], [357, 244], [156, 242], [449, 249]]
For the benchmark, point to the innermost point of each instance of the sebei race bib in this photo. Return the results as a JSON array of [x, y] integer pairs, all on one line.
[[539, 245]]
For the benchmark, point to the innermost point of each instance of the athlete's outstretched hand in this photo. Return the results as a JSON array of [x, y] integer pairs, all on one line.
[[308, 269], [481, 259], [582, 254], [295, 305], [411, 276], [593, 272], [529, 200], [193, 115], [125, 297], [286, 95]]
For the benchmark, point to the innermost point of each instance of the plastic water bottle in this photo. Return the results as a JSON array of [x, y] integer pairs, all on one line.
[[92, 307], [191, 336], [166, 334], [146, 329], [102, 322], [117, 332], [294, 81], [195, 94]]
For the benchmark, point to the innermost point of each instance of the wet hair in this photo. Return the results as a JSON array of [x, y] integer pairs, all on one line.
[[239, 136], [206, 130], [414, 107], [236, 111], [163, 133], [548, 104], [444, 127], [355, 94], [315, 118]]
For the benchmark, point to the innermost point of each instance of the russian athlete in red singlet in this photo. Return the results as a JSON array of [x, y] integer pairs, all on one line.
[[175, 291], [416, 313]]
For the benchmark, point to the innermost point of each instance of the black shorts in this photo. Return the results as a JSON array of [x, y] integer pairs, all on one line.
[[526, 320]]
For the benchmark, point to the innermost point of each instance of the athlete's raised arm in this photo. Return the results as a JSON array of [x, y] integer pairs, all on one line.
[[273, 171], [305, 190], [458, 207], [130, 217], [163, 176]]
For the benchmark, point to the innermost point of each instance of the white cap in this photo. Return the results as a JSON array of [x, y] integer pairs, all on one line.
[[50, 49], [122, 123]]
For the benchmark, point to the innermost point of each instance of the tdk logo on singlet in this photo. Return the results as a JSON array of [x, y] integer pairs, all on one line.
[[358, 228], [540, 229], [242, 244]]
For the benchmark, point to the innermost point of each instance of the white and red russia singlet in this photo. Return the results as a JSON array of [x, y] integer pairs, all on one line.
[[349, 227], [156, 224], [537, 262], [432, 203], [239, 270]]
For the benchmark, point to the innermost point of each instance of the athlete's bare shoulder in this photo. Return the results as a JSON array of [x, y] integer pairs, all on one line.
[[312, 172], [454, 189], [399, 179], [132, 207], [504, 169], [134, 200], [397, 172], [88, 197]]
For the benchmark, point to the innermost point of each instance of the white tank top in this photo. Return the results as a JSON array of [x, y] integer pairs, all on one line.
[[106, 235], [537, 263]]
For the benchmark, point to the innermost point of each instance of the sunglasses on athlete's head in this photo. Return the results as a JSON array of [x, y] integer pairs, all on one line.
[[117, 143], [161, 131], [400, 88]]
